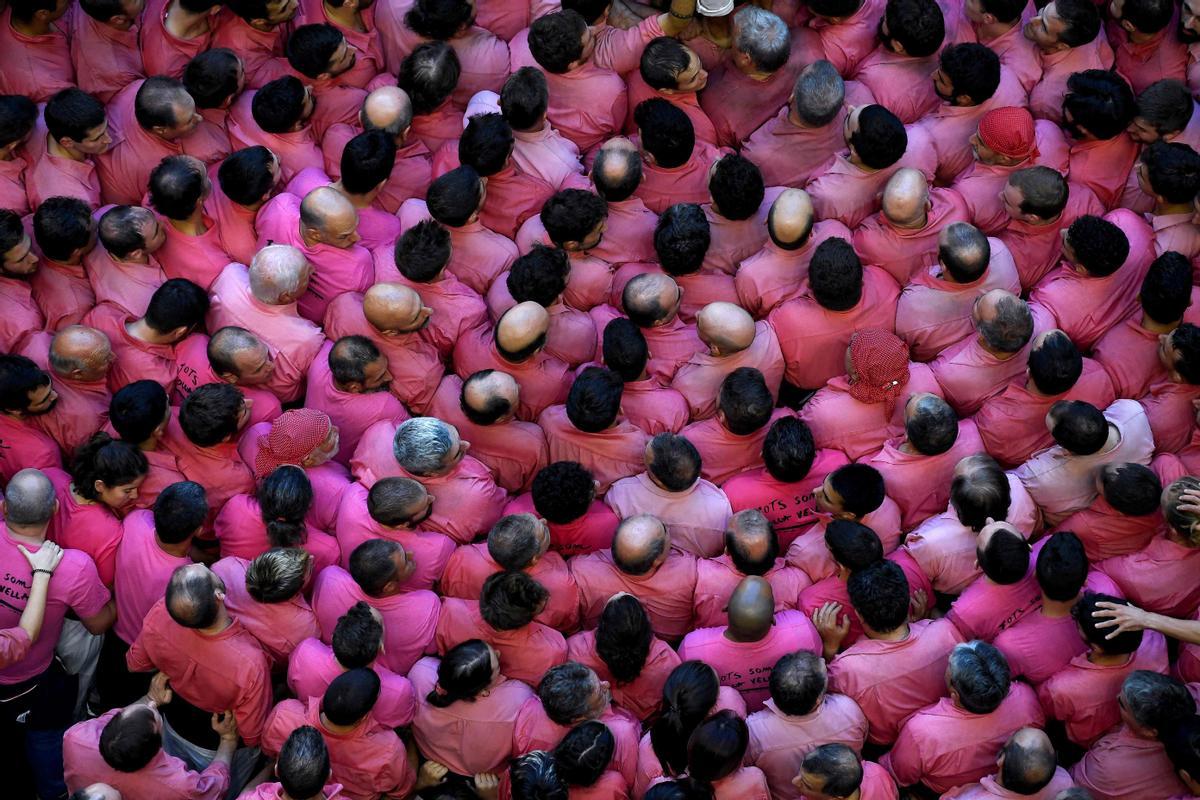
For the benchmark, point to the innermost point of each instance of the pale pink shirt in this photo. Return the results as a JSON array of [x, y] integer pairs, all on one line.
[[241, 532], [261, 52], [628, 234], [989, 787], [351, 412], [951, 126], [851, 39], [696, 517], [779, 742], [790, 507], [525, 653], [610, 454], [1157, 577], [666, 592], [54, 176], [655, 408], [1038, 646], [312, 666], [125, 284], [670, 343], [409, 618], [82, 406], [809, 553], [106, 60], [662, 187], [143, 570], [1122, 765], [687, 102], [478, 254], [572, 336], [1062, 483], [903, 252], [35, 66], [716, 578], [773, 275], [641, 696], [724, 453], [278, 627], [536, 731], [471, 565]]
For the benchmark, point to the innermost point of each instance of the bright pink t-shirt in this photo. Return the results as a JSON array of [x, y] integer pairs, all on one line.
[[312, 666], [779, 742], [143, 570]]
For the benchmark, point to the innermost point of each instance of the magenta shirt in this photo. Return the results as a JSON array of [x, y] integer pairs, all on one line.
[[666, 592], [587, 534], [779, 742], [525, 653], [143, 570], [278, 627], [716, 578]]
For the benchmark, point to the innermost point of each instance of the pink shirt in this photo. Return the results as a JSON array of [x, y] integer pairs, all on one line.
[[165, 776], [200, 259], [989, 787], [163, 52], [35, 66], [1062, 483], [63, 293], [312, 666], [218, 469], [369, 760], [278, 627], [902, 252], [409, 178], [649, 768], [143, 569], [901, 83], [124, 284], [1161, 56], [920, 484], [696, 517], [1153, 578], [228, 670], [890, 680], [430, 551], [709, 285], [409, 618], [262, 52], [293, 340], [1171, 413], [1083, 695], [809, 553], [934, 312], [687, 102], [471, 565], [1045, 99], [662, 187], [587, 534], [733, 241], [653, 407], [746, 666], [643, 695], [838, 420], [739, 104], [296, 150], [945, 746], [135, 359], [1037, 248], [951, 126], [850, 40], [587, 104], [467, 500], [813, 339], [240, 529], [610, 455], [779, 742], [82, 406], [457, 309], [1102, 165], [468, 737], [53, 176], [536, 731], [1012, 423], [23, 445], [716, 578], [1123, 765], [19, 314], [669, 343], [628, 235], [106, 60], [525, 653], [1107, 533], [773, 275], [234, 223], [478, 253], [666, 593], [90, 527], [351, 412], [699, 378], [723, 453], [790, 507], [1038, 646], [572, 335], [193, 369]]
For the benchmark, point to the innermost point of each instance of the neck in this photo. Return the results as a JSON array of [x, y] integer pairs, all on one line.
[[179, 549], [1164, 208], [1158, 327], [912, 225], [138, 329], [356, 200], [347, 17], [1057, 609], [1137, 37], [898, 635], [58, 150], [184, 24], [27, 535], [735, 635], [33, 27], [142, 259], [986, 31], [192, 225], [999, 356], [336, 728], [1105, 660]]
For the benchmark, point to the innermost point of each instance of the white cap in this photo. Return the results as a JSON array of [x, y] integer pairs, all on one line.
[[714, 8]]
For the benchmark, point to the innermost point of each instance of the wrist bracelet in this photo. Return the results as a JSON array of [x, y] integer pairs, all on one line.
[[680, 16], [47, 571]]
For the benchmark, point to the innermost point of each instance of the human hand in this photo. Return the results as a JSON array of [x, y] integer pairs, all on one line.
[[225, 724], [45, 557], [832, 625], [160, 689], [1120, 617], [431, 774], [918, 605], [487, 785], [1189, 501]]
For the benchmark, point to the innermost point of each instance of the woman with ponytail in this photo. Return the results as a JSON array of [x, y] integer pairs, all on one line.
[[102, 487], [624, 651], [691, 694], [466, 709], [249, 525]]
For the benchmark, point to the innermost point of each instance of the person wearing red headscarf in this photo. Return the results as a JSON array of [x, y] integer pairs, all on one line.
[[859, 411]]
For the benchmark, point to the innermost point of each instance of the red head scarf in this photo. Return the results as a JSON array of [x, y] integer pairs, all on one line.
[[1009, 131], [881, 361], [293, 435]]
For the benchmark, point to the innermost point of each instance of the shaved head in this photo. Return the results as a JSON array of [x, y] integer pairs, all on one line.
[[1027, 762], [394, 308], [617, 170], [240, 353], [791, 219], [327, 216], [751, 609], [388, 109], [905, 198], [726, 328], [640, 544], [29, 499], [279, 274], [82, 353], [522, 330]]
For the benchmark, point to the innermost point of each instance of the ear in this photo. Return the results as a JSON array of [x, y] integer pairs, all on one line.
[[159, 130], [1127, 26], [899, 48], [962, 100], [180, 332], [98, 485], [354, 387], [324, 76], [66, 142], [228, 377]]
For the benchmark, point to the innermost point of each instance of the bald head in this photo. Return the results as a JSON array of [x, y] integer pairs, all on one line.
[[490, 396], [328, 217], [791, 219], [617, 170], [192, 596], [640, 544], [751, 609], [751, 542], [279, 274], [1027, 762], [521, 332], [239, 356], [80, 353], [905, 198], [651, 299], [388, 109], [726, 328], [29, 500], [394, 308], [964, 251]]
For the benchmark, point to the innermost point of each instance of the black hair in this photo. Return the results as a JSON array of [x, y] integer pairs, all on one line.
[[967, 253], [351, 696], [278, 106], [534, 776], [1166, 289], [12, 230], [562, 491], [1100, 101], [211, 77], [1183, 746], [129, 741], [1132, 489], [1084, 612], [1079, 427], [688, 695], [510, 600], [349, 357], [454, 196], [486, 143], [835, 275], [62, 225], [110, 461], [372, 566], [209, 415], [583, 755], [356, 637], [980, 674], [1172, 170], [137, 408], [540, 275], [1186, 339], [556, 40], [616, 174], [429, 75], [666, 132], [179, 510], [1056, 364], [879, 593], [798, 681], [917, 25], [310, 48], [71, 113], [438, 19], [1166, 105], [1148, 16], [932, 428], [303, 763], [789, 451], [663, 58], [176, 187], [860, 486], [464, 671], [1003, 10], [1100, 246], [675, 461], [1005, 559], [1082, 21], [17, 117], [736, 187], [524, 98], [981, 494], [624, 349], [681, 239], [284, 499], [571, 215], [245, 175], [973, 70], [367, 161], [623, 637], [178, 303], [1062, 567], [423, 251], [881, 139], [716, 746], [745, 401], [563, 692], [594, 399], [852, 544]]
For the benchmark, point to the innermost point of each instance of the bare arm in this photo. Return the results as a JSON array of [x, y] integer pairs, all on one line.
[[1122, 618], [101, 622], [43, 562], [676, 20]]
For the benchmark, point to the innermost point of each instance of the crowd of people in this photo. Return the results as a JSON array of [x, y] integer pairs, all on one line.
[[548, 399]]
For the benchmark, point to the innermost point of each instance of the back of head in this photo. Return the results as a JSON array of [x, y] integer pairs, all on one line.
[[177, 186], [179, 511], [524, 98], [1062, 567], [819, 94], [396, 501], [1004, 555], [464, 671], [454, 196], [1081, 20], [789, 451], [123, 229], [964, 251], [880, 140], [879, 594], [1030, 762], [1165, 106], [617, 171], [644, 298], [514, 541], [488, 396], [916, 25], [129, 742], [510, 600], [638, 544], [429, 75], [1079, 427], [1174, 508], [1099, 246], [422, 445], [570, 215], [860, 486], [350, 696], [311, 48], [367, 161], [1099, 101], [556, 40], [663, 59], [539, 276], [583, 755], [29, 499], [1172, 170], [212, 76], [565, 691], [594, 399], [1055, 363], [303, 763], [931, 426], [675, 462], [853, 545], [979, 673], [972, 69], [1132, 489], [156, 101], [1183, 746], [744, 401], [837, 767], [71, 114], [688, 696], [1155, 702], [623, 637], [486, 143], [1043, 191], [835, 275], [137, 409], [736, 187], [1147, 16], [798, 682], [191, 596], [62, 226], [211, 414], [1010, 327], [373, 565], [423, 251], [439, 19], [246, 176], [624, 349], [278, 107], [535, 776], [176, 308], [1084, 611], [665, 132], [682, 238], [980, 491], [751, 542], [716, 747], [762, 36], [1166, 289], [356, 637], [278, 575], [19, 377], [17, 117], [563, 491], [682, 789]]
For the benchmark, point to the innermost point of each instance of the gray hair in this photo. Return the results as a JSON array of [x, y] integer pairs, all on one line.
[[565, 691], [1157, 702], [1012, 328], [819, 94], [422, 445], [276, 271], [763, 36], [29, 498], [277, 575], [979, 673]]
